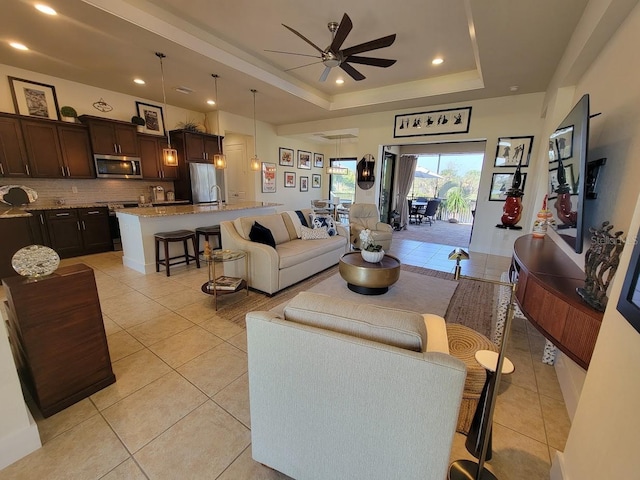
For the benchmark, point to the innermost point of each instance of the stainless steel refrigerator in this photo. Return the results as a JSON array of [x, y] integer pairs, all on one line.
[[204, 177]]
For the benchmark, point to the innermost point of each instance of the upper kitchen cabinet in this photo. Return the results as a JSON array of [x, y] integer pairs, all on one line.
[[57, 150], [150, 147], [194, 146], [112, 137], [13, 155]]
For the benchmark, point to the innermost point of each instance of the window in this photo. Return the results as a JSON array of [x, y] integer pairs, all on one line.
[[343, 186]]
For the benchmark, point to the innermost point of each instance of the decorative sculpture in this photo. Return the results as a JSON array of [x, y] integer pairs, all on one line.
[[512, 210], [544, 219], [601, 262], [563, 203]]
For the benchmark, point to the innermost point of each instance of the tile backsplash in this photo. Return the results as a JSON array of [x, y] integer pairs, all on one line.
[[86, 191]]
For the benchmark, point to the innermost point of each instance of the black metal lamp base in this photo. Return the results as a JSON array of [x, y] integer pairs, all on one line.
[[468, 470]]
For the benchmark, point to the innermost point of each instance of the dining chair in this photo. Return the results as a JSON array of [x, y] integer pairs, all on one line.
[[430, 210]]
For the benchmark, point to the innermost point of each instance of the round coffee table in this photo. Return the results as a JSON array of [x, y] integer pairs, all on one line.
[[369, 278]]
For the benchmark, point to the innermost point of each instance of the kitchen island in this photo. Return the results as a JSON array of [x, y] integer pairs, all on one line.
[[139, 225]]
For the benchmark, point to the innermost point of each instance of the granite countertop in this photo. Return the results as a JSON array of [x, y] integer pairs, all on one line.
[[192, 209], [8, 211]]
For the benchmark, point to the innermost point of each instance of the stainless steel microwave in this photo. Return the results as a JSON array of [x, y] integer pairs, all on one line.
[[117, 166]]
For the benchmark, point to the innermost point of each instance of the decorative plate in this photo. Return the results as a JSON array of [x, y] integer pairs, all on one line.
[[35, 261], [17, 195]]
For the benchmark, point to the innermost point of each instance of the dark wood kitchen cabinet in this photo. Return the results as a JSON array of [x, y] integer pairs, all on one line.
[[24, 231], [78, 231], [13, 155], [57, 336], [150, 147], [111, 137], [57, 150]]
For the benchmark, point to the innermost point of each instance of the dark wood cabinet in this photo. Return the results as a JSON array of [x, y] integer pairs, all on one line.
[[76, 151], [547, 281], [150, 147], [13, 155], [57, 336], [77, 231], [111, 137], [23, 231]]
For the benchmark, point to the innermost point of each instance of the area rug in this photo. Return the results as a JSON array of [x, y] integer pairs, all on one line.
[[472, 303]]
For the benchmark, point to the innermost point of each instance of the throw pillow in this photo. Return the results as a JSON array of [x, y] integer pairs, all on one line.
[[261, 234], [314, 233], [320, 221]]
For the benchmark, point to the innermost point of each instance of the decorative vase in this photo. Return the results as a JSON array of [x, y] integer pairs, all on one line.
[[372, 257]]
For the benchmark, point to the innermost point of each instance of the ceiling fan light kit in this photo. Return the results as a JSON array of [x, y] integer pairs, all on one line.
[[333, 56]]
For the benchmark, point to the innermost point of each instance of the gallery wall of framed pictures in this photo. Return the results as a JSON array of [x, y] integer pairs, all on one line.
[[511, 153]]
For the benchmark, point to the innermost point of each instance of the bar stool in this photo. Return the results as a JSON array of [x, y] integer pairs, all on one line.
[[175, 236], [212, 230]]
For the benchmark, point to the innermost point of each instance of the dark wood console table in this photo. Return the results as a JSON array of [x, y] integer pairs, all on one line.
[[547, 279], [57, 336]]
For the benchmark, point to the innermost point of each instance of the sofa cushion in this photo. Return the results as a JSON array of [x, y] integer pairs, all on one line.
[[261, 234], [399, 328], [298, 251], [273, 222], [313, 233], [323, 220]]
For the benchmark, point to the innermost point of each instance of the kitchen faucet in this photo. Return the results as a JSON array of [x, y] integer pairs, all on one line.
[[218, 201]]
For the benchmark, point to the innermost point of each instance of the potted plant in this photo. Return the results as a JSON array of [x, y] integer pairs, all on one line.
[[68, 114], [456, 204], [138, 122]]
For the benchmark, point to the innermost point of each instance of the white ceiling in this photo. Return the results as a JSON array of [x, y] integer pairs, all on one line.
[[488, 47]]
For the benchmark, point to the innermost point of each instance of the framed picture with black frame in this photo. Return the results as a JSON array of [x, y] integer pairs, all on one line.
[[500, 185], [304, 184], [153, 118], [513, 151], [289, 179], [34, 99], [286, 157], [318, 160], [629, 301], [316, 180], [304, 159]]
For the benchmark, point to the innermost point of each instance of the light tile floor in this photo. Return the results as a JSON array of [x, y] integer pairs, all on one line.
[[180, 406]]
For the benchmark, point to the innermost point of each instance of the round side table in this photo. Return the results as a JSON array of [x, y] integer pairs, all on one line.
[[369, 278], [488, 360]]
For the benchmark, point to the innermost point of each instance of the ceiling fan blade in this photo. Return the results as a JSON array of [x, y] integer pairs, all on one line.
[[368, 46], [292, 53], [325, 74], [341, 34], [305, 65], [376, 62], [303, 38], [353, 73]]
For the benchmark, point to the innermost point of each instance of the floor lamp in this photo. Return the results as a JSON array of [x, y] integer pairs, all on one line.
[[468, 469]]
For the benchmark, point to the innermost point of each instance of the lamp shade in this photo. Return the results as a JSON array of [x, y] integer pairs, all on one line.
[[220, 161], [255, 164], [170, 157]]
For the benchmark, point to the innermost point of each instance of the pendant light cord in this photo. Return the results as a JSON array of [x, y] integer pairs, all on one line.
[[215, 79], [161, 55], [255, 131]]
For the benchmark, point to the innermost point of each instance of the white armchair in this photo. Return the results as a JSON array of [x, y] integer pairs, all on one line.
[[366, 215]]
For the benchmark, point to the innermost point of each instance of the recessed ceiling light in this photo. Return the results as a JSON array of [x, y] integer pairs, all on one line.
[[18, 46], [514, 88], [139, 81], [437, 61], [339, 81], [45, 9], [211, 102]]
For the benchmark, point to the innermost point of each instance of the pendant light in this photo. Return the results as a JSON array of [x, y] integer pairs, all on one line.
[[169, 155], [255, 161], [219, 159], [337, 169]]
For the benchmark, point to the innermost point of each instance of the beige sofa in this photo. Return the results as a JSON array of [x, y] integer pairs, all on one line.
[[345, 390], [293, 259]]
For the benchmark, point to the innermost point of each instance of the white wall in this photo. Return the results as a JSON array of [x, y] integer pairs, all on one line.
[[603, 439]]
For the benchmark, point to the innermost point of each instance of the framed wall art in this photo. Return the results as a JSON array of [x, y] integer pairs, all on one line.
[[304, 184], [34, 99], [501, 183], [289, 179], [268, 177], [316, 180], [286, 157], [629, 301], [153, 117], [435, 122], [554, 183], [318, 160], [304, 159], [513, 151]]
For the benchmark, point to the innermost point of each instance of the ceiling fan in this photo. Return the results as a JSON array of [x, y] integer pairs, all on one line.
[[332, 56]]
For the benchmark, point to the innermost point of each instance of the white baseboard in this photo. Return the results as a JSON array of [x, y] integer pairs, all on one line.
[[19, 444], [571, 378], [557, 468]]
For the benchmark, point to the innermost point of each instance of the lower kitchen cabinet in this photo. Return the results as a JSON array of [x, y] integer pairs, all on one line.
[[24, 231], [78, 231]]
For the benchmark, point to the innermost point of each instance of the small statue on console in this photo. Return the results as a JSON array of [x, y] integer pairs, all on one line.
[[512, 210], [601, 262]]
